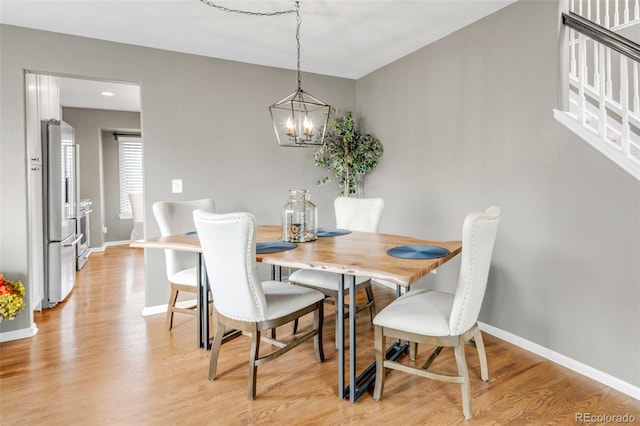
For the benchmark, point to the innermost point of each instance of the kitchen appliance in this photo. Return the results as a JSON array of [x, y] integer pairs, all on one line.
[[83, 227], [59, 189]]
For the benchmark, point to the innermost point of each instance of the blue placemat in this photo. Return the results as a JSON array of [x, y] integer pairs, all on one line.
[[418, 252], [274, 246], [326, 232], [194, 233]]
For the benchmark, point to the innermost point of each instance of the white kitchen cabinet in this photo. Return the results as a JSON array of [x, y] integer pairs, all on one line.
[[49, 97]]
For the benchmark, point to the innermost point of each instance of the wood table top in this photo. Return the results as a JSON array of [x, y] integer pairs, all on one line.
[[356, 253]]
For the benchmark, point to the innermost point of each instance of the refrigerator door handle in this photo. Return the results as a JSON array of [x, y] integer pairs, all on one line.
[[74, 242], [67, 189]]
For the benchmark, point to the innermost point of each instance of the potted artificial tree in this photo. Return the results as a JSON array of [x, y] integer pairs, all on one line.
[[347, 153]]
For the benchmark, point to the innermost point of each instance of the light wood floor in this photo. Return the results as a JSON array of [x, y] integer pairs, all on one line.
[[96, 360]]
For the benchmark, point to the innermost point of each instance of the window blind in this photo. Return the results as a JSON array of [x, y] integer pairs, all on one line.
[[130, 153]]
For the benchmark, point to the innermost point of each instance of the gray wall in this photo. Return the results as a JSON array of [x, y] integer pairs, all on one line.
[[632, 33], [99, 167], [204, 120], [467, 122]]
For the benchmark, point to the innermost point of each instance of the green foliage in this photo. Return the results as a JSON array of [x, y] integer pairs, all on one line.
[[347, 153]]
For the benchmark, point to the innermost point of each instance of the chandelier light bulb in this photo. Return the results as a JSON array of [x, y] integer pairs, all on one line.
[[308, 126], [291, 127]]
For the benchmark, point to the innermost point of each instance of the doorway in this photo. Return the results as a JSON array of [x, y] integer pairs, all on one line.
[[91, 107], [98, 109]]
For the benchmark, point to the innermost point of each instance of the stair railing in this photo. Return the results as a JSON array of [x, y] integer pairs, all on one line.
[[603, 84]]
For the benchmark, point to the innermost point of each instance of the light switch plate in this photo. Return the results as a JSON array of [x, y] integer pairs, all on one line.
[[176, 186]]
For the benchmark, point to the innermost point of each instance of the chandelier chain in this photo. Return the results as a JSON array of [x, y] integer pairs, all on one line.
[[305, 120], [281, 12], [298, 23], [246, 12]]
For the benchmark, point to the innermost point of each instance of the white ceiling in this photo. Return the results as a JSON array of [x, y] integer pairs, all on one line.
[[343, 38], [80, 93]]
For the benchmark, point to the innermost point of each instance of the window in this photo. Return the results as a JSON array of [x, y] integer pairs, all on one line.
[[130, 153]]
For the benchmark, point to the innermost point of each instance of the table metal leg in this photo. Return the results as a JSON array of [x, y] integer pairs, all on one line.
[[340, 337], [276, 273], [352, 339], [352, 390], [203, 305], [358, 383]]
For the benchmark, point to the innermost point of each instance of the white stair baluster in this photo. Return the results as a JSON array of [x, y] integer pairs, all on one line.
[[582, 76], [602, 119], [609, 88], [626, 11], [572, 52], [636, 99], [597, 70], [624, 104]]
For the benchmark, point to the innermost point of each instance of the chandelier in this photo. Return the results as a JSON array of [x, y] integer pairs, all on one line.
[[299, 119]]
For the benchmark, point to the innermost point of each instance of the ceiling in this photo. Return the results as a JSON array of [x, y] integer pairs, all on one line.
[[339, 38], [80, 93]]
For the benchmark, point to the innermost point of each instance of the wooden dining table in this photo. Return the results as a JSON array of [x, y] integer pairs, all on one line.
[[349, 255]]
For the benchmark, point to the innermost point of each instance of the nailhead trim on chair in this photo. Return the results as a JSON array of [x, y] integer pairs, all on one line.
[[465, 300]]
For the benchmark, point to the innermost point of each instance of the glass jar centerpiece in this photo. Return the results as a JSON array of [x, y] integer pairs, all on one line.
[[299, 218]]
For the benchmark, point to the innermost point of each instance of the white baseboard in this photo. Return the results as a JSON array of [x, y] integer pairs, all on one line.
[[108, 244], [161, 309], [558, 358], [117, 243], [19, 334]]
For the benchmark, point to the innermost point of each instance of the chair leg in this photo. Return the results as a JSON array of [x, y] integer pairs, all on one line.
[[253, 357], [371, 301], [464, 374], [318, 320], [413, 350], [294, 326], [215, 349], [482, 354], [380, 356], [172, 303]]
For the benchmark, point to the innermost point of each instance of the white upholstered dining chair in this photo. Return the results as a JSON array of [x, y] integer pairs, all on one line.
[[244, 303], [354, 214], [174, 218], [443, 319]]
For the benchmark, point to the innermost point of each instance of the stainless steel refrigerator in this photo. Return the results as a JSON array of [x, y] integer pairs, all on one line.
[[60, 206]]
